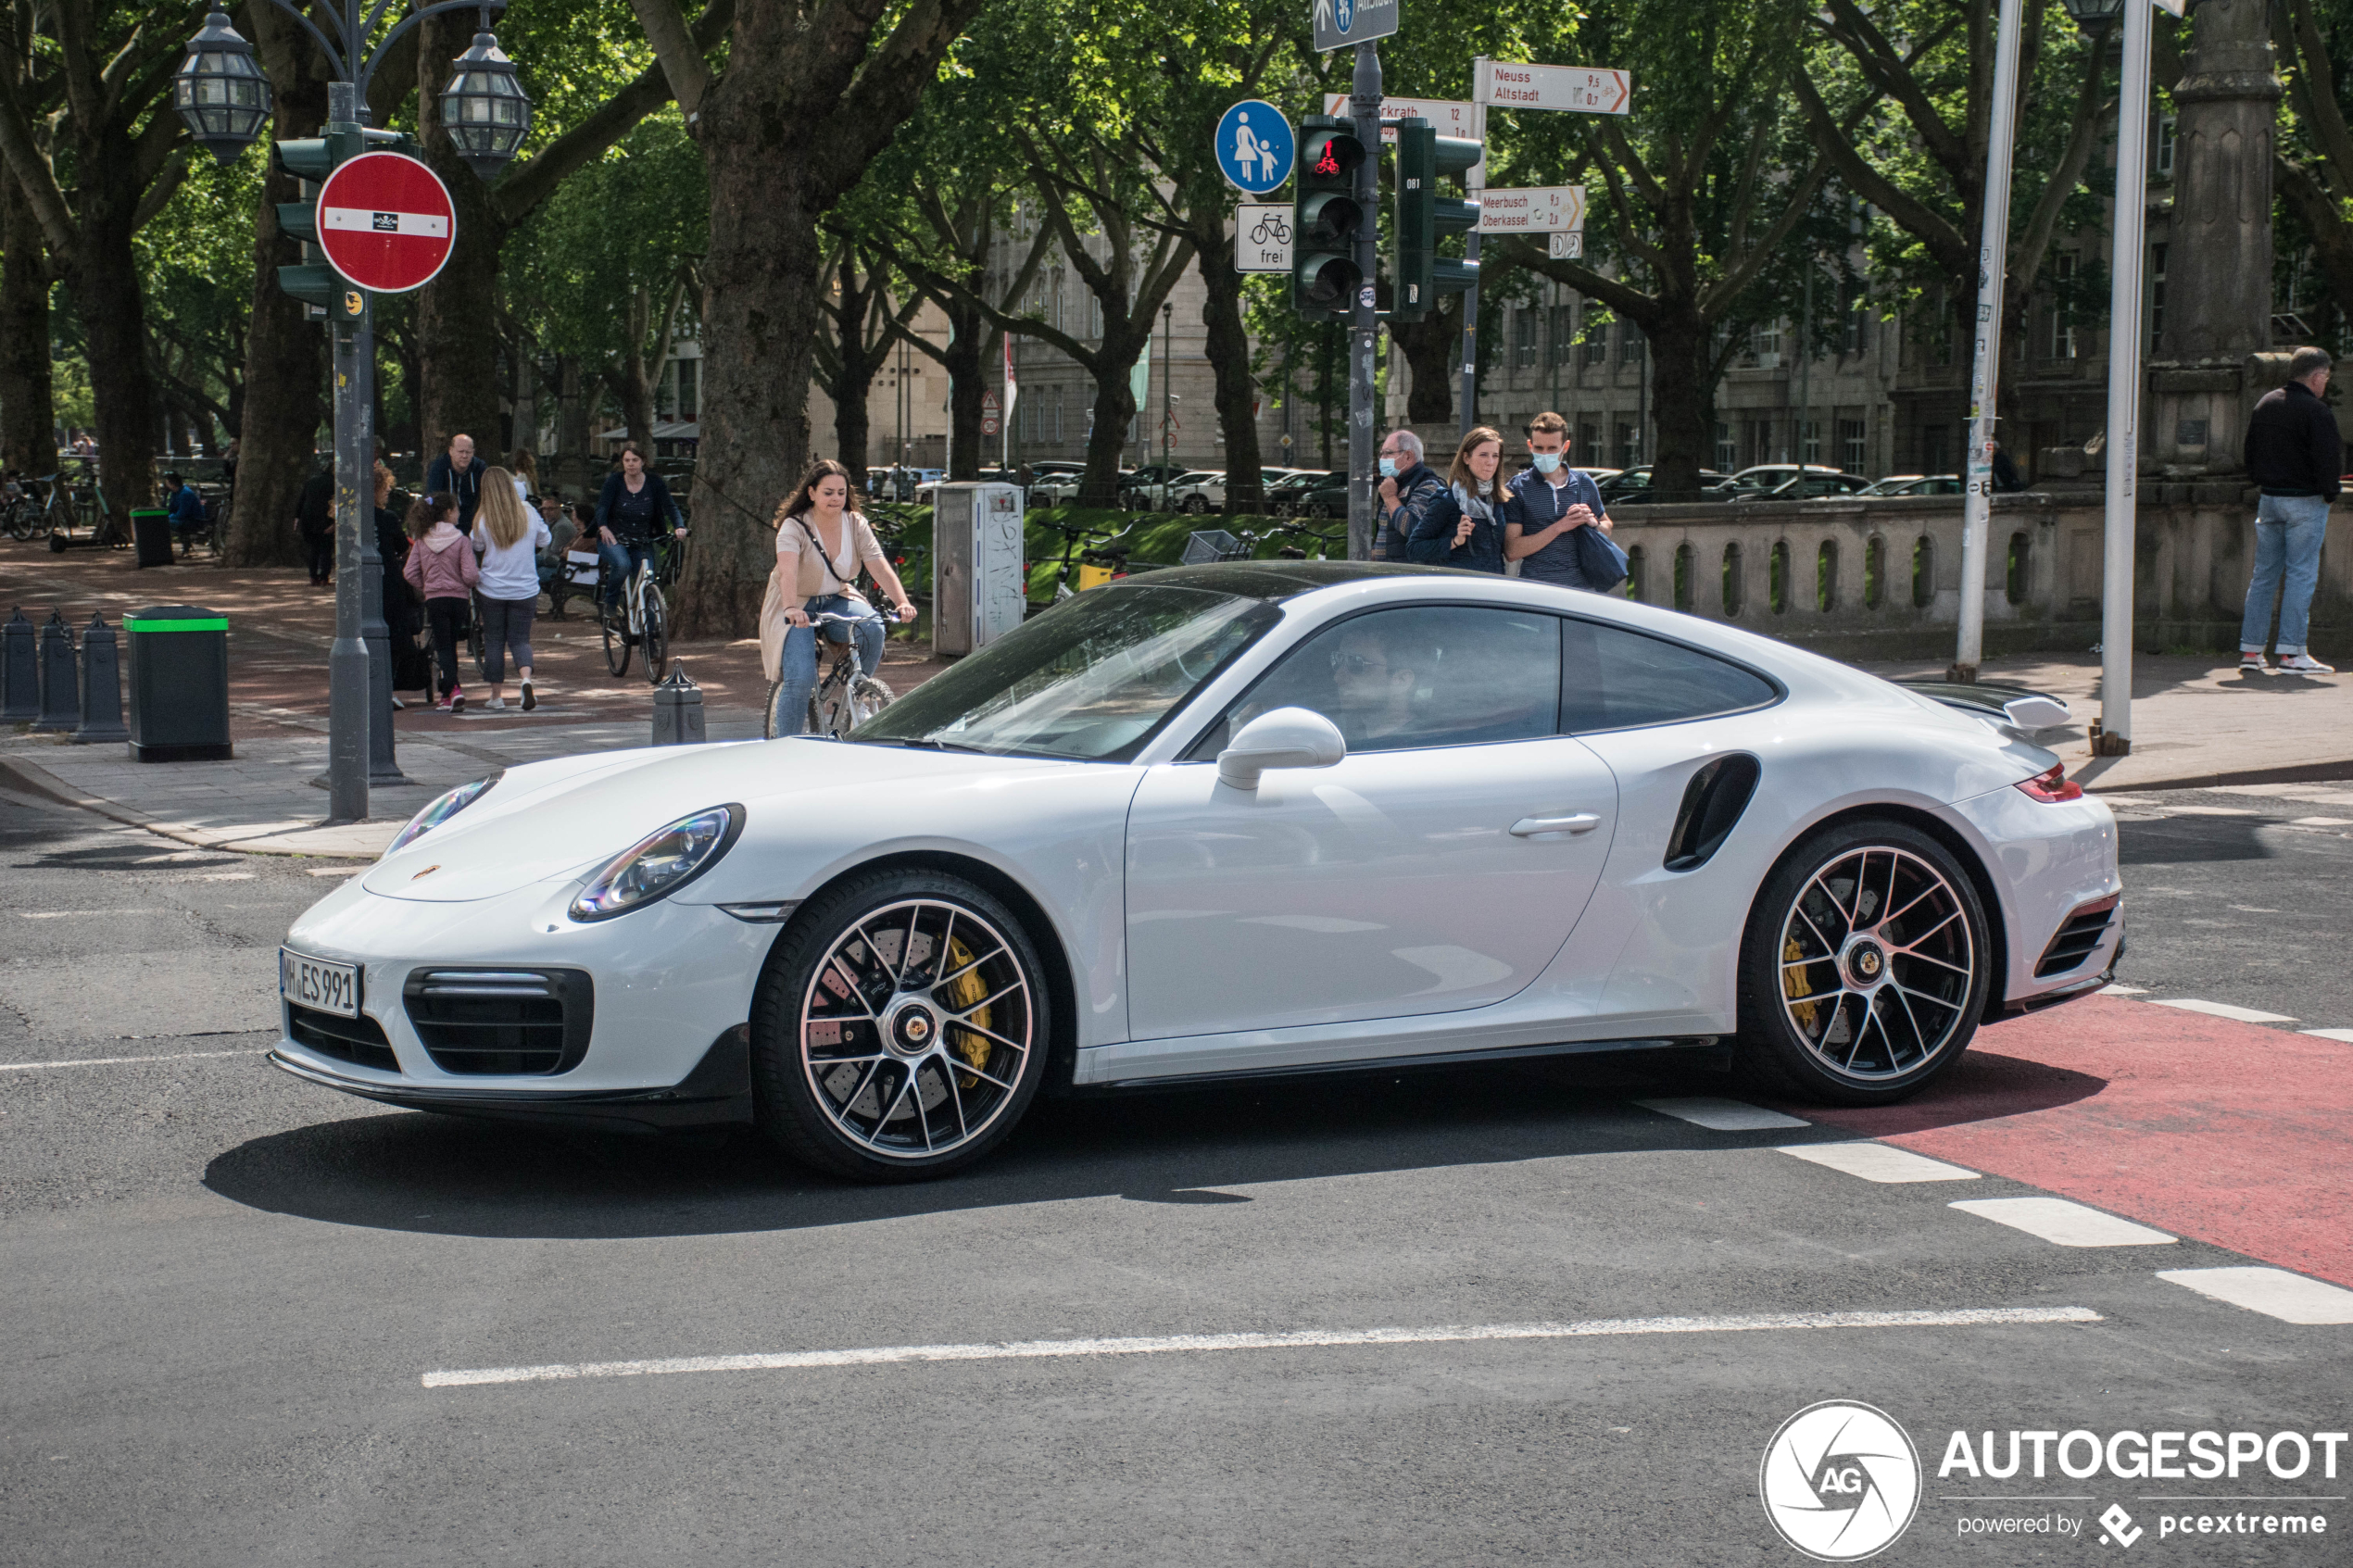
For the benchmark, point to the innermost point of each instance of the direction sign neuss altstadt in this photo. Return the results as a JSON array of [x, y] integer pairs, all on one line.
[[385, 222]]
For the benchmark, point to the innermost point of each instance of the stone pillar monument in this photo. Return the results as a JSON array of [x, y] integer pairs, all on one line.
[[2212, 359]]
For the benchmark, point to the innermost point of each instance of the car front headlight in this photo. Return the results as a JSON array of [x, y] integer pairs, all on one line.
[[660, 865], [438, 811]]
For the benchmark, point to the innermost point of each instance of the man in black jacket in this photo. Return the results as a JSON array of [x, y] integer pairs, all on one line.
[[458, 472], [1409, 488], [2294, 457], [315, 520]]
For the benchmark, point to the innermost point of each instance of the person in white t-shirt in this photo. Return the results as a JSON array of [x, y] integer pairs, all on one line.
[[508, 540]]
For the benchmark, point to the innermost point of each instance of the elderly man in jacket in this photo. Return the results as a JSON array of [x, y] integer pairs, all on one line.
[[1409, 488], [2294, 457]]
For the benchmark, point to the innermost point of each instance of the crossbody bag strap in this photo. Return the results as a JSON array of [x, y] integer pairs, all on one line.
[[814, 544]]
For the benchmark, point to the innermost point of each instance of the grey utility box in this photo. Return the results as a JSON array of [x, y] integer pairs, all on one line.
[[978, 591], [179, 684]]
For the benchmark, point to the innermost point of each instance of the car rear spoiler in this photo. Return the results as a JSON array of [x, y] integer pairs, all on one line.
[[2021, 708]]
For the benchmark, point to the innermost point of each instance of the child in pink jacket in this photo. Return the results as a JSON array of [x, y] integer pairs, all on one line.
[[442, 568]]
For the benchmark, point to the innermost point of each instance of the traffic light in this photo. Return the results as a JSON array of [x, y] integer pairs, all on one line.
[[1326, 219], [1424, 217]]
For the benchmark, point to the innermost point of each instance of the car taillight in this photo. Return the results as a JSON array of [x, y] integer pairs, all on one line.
[[2052, 786]]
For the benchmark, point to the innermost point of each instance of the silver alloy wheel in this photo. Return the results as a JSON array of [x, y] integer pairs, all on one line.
[[915, 1028], [1877, 965]]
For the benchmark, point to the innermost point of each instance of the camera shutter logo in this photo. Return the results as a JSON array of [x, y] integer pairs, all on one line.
[[1839, 1480]]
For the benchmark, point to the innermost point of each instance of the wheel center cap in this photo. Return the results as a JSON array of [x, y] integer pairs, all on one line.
[[1866, 963], [911, 1030]]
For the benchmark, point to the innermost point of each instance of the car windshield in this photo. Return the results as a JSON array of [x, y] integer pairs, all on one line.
[[1091, 679]]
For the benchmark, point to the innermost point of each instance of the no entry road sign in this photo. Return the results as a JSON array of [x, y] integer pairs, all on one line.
[[385, 222]]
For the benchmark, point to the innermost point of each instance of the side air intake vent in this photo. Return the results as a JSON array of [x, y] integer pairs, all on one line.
[[1713, 802]]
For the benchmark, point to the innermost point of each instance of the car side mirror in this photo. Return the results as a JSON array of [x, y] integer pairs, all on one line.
[[1288, 737]]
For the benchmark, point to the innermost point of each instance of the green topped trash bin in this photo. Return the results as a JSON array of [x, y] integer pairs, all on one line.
[[151, 535], [179, 684]]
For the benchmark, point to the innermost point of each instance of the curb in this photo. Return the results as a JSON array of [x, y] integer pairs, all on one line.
[[32, 779], [2305, 773]]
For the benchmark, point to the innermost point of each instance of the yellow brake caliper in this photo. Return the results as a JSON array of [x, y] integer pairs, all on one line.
[[1795, 985], [966, 989]]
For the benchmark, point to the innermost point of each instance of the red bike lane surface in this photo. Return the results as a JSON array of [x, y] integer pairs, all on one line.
[[2225, 1133]]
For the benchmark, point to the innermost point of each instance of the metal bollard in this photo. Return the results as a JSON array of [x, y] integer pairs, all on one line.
[[60, 703], [678, 711], [101, 685], [19, 671]]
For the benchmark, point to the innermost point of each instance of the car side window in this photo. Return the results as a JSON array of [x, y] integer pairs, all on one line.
[[1614, 679], [1425, 675]]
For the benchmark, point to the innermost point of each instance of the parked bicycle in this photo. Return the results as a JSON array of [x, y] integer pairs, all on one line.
[[845, 697]]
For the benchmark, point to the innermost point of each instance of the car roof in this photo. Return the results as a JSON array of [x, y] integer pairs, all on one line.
[[1275, 581]]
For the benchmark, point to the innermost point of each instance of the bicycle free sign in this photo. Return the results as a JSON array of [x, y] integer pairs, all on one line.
[[1262, 238]]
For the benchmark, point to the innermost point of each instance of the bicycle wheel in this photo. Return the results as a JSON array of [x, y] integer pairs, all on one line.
[[616, 641], [657, 638], [476, 647]]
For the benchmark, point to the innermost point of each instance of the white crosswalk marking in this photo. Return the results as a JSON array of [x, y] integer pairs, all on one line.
[[2067, 1224], [2274, 1292], [2224, 1010], [2344, 1034], [1722, 1115], [1879, 1162]]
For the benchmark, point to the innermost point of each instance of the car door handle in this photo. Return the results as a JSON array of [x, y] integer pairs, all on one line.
[[1581, 821]]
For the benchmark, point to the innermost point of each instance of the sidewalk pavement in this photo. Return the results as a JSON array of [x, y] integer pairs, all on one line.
[[2196, 722]]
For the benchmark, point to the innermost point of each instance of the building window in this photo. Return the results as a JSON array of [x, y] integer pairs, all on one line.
[[1524, 337], [1728, 456], [1596, 336], [1765, 343], [1588, 439], [1058, 414], [2062, 326], [1564, 333], [2157, 295], [1630, 344], [1760, 441], [1812, 442], [1933, 450], [1626, 447], [1851, 336], [2161, 156], [1851, 455]]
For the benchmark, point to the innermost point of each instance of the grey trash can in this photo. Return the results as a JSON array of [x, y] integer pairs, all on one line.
[[179, 684]]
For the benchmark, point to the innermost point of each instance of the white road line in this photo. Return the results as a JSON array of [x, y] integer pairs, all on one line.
[[78, 914], [2067, 1224], [338, 871], [1879, 1162], [2344, 1034], [1301, 1339], [2208, 812], [2322, 823], [2123, 991], [2224, 1010], [126, 1061], [2275, 1293], [1722, 1115]]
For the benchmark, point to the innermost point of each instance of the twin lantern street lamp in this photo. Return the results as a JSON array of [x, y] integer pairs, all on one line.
[[224, 98]]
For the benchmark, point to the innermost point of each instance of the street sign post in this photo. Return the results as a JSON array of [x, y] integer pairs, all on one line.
[[1540, 209], [1341, 23], [385, 222], [1507, 84], [1254, 147], [1262, 237], [1449, 117]]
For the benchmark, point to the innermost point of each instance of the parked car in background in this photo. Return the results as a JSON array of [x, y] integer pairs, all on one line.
[[1145, 489], [1632, 487], [1054, 482], [1813, 484], [900, 484], [1760, 480], [1326, 496], [1915, 484], [1204, 489], [1283, 494]]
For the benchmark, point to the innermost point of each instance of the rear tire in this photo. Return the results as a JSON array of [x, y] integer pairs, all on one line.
[[1865, 967], [900, 1029], [616, 641]]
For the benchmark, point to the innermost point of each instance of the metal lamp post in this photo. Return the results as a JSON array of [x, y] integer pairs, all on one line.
[[224, 98]]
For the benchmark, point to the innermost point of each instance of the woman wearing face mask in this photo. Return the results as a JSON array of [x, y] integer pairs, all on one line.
[[1544, 504], [1464, 528]]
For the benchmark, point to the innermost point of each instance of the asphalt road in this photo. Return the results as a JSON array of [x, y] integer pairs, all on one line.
[[224, 1292]]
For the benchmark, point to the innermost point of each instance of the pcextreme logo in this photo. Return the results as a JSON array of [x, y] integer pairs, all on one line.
[[1839, 1480]]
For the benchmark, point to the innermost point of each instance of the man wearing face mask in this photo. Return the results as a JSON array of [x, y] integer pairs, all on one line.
[[1409, 487], [1546, 504]]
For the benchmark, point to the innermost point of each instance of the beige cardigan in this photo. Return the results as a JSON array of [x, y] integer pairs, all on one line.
[[812, 576]]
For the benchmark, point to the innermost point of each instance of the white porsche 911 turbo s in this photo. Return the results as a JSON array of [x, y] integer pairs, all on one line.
[[1218, 821]]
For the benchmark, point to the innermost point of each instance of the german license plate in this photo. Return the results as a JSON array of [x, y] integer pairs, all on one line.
[[319, 982]]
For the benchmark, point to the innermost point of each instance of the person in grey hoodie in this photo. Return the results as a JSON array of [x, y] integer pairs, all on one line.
[[442, 569]]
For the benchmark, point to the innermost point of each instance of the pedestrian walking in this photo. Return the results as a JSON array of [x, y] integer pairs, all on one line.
[[1546, 505], [441, 568], [508, 538], [2294, 457], [403, 610], [1408, 489], [631, 515], [1464, 527], [457, 473], [522, 463], [821, 545], [315, 521]]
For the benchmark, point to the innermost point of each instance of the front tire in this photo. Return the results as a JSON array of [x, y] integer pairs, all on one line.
[[900, 1029], [611, 623], [1865, 967], [657, 638]]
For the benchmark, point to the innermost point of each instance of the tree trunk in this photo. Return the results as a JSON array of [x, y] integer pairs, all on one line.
[[27, 415], [1683, 403], [969, 341], [571, 425], [1115, 410], [1433, 352], [455, 342], [1228, 346], [114, 320], [277, 433]]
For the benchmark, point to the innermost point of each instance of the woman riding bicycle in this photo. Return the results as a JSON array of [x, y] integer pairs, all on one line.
[[631, 515], [820, 545]]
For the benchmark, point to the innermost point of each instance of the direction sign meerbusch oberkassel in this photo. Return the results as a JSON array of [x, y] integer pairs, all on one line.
[[385, 222], [1254, 147], [1341, 22]]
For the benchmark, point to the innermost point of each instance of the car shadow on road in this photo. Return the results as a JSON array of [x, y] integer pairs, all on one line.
[[441, 1174], [1983, 1085]]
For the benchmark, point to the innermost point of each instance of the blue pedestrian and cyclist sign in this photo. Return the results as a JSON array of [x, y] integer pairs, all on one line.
[[1341, 22], [1256, 147]]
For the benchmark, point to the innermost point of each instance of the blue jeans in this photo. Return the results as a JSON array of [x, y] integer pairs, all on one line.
[[797, 672], [620, 564], [2288, 532]]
